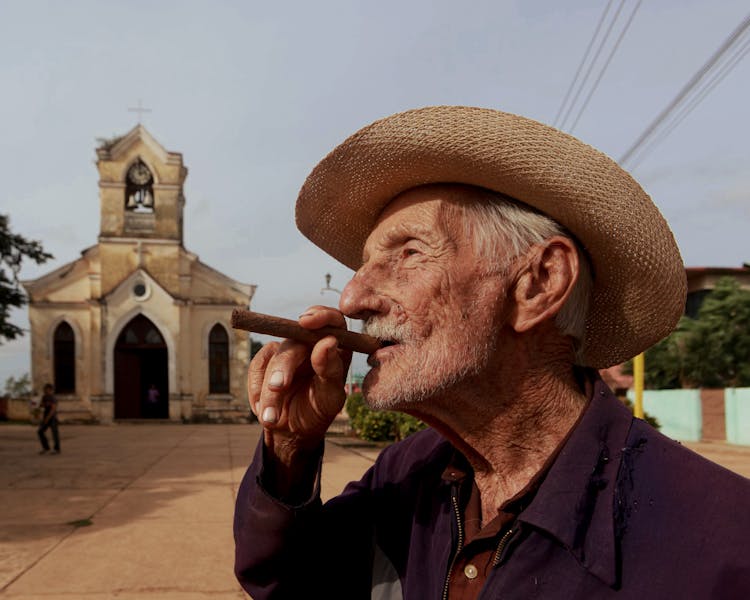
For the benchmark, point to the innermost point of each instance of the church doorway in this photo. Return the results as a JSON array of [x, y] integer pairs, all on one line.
[[141, 372]]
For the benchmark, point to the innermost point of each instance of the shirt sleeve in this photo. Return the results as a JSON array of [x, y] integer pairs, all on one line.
[[304, 550]]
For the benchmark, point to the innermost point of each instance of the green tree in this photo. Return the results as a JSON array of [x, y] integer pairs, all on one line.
[[716, 345], [18, 387], [712, 350], [13, 250], [664, 360]]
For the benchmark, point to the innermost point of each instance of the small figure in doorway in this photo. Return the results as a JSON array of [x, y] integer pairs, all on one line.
[[153, 395], [152, 402], [49, 421]]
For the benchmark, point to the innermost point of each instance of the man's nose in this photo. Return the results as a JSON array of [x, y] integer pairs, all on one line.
[[359, 299]]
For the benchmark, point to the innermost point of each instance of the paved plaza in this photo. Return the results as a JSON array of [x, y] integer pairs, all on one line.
[[130, 511], [144, 510]]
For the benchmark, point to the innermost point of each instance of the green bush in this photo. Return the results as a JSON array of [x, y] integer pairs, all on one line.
[[379, 425], [354, 404], [408, 425]]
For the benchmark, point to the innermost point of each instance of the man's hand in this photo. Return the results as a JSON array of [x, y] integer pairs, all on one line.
[[296, 391]]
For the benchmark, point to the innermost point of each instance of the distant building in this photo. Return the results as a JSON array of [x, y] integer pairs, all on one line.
[[138, 327], [701, 280]]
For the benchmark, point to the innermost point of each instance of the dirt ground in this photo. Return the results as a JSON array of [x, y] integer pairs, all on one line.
[[140, 511]]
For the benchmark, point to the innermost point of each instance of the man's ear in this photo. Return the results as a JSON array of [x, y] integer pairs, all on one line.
[[544, 283]]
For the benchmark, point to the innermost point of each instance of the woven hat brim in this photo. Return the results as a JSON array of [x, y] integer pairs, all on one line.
[[639, 278]]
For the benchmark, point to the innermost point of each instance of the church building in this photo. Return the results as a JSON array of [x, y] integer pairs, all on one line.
[[138, 327]]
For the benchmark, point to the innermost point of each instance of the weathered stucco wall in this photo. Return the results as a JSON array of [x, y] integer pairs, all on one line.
[[738, 415]]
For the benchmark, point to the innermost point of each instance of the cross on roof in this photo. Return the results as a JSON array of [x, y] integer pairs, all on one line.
[[140, 110]]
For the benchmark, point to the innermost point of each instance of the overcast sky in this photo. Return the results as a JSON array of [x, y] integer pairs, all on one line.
[[253, 94]]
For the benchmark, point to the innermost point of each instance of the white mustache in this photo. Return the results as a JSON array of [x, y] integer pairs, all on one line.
[[386, 330]]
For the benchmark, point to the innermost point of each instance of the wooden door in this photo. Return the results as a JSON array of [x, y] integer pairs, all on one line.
[[141, 361]]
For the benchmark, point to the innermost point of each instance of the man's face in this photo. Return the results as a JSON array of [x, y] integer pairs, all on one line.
[[422, 288]]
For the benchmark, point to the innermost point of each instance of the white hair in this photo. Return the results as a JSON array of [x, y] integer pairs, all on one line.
[[503, 229]]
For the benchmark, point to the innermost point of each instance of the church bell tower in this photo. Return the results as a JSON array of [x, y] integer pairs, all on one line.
[[142, 204], [140, 187]]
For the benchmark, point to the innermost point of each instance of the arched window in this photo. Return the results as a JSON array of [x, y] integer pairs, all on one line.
[[218, 360], [141, 332], [139, 188], [65, 359]]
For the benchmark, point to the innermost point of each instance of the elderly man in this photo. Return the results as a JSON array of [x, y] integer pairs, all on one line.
[[500, 262]]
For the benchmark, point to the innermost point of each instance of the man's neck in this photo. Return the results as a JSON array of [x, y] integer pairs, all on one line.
[[508, 425]]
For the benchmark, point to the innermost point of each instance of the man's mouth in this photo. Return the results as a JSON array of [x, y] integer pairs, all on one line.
[[388, 333], [374, 359]]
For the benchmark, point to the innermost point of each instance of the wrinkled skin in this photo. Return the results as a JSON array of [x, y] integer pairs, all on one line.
[[471, 349], [422, 287]]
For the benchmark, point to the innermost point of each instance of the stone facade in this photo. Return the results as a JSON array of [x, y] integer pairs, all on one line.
[[139, 280]]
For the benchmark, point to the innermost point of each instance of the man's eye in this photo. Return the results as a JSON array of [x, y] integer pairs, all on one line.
[[411, 252]]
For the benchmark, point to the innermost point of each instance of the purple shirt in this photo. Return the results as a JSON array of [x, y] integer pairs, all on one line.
[[624, 512]]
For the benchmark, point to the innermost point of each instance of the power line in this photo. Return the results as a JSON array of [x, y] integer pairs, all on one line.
[[641, 153], [604, 68], [687, 88], [591, 64], [583, 62]]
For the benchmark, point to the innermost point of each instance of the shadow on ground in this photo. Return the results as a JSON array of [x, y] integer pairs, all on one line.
[[109, 475]]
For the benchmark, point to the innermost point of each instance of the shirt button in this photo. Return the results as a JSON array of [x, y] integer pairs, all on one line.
[[470, 571]]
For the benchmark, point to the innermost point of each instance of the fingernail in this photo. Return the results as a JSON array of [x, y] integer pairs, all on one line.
[[269, 415], [309, 313], [276, 379], [257, 407]]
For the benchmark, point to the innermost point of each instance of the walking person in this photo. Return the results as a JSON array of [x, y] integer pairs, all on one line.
[[49, 421]]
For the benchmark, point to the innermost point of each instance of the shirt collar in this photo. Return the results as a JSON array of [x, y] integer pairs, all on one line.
[[575, 502]]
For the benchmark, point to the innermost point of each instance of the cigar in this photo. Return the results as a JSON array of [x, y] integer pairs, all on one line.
[[286, 328]]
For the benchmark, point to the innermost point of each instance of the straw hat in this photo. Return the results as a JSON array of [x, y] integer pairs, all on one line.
[[639, 279]]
